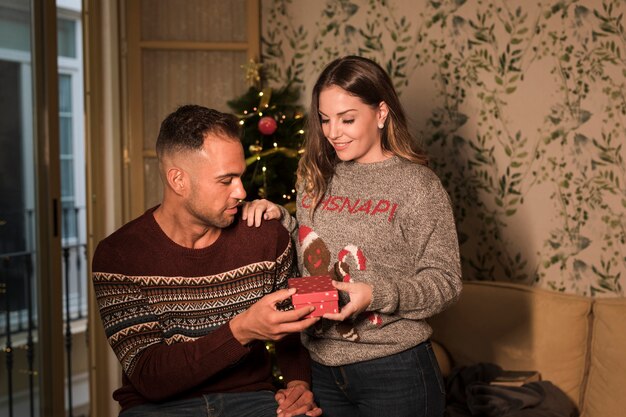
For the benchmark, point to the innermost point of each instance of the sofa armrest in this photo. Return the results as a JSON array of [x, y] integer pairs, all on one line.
[[605, 391], [519, 328]]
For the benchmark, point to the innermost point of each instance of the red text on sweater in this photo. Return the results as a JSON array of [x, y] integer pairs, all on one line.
[[358, 206]]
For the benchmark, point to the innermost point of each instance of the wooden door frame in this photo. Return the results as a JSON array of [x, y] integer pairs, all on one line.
[[133, 152], [49, 283], [104, 185]]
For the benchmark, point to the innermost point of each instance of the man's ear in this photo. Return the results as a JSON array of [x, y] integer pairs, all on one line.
[[176, 180]]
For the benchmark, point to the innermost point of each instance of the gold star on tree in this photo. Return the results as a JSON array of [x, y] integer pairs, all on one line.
[[253, 73]]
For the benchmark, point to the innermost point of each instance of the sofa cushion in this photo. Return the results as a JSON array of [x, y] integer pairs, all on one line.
[[606, 386], [519, 328]]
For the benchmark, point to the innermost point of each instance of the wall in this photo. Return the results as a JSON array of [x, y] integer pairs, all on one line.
[[521, 106]]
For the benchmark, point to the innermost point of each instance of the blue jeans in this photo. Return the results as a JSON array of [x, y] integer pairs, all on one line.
[[240, 404], [407, 384]]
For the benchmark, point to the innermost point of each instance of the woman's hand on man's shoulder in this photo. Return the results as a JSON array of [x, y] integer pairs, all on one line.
[[254, 212]]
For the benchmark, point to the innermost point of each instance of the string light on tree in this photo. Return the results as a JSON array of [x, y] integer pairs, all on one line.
[[272, 124]]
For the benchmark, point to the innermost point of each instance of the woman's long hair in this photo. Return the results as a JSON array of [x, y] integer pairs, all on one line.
[[365, 79]]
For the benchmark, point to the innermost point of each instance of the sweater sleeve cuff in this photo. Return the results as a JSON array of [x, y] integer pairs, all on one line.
[[384, 297], [287, 220], [300, 374], [231, 351], [293, 359]]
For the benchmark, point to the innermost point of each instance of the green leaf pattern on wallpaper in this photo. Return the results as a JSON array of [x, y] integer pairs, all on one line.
[[525, 125]]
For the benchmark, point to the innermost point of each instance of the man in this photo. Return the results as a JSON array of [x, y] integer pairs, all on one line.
[[188, 293]]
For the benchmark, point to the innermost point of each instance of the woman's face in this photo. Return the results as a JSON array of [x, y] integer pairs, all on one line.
[[351, 126]]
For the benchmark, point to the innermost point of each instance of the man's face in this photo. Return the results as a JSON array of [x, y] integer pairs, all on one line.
[[215, 182]]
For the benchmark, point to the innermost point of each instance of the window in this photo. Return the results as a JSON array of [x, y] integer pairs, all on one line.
[[19, 262]]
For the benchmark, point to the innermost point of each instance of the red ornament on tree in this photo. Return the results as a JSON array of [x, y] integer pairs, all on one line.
[[267, 125]]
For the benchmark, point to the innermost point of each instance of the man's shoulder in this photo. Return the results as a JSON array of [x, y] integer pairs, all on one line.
[[267, 227], [270, 232], [128, 239], [137, 228]]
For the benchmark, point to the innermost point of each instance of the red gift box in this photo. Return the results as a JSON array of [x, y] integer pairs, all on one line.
[[316, 291]]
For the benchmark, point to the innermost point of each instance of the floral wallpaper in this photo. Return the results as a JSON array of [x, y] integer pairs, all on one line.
[[521, 106]]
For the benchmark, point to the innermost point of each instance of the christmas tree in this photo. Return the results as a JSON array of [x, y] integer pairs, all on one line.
[[272, 135], [273, 130]]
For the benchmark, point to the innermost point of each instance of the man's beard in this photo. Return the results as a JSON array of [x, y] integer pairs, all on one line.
[[220, 220]]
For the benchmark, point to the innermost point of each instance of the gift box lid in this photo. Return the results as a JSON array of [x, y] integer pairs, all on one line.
[[316, 288]]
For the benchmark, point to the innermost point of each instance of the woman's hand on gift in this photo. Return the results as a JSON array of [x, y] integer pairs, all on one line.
[[360, 298], [254, 212]]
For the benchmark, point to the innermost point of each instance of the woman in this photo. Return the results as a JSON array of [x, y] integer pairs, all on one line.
[[372, 215]]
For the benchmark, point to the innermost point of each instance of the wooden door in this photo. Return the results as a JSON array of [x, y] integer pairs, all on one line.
[[178, 52]]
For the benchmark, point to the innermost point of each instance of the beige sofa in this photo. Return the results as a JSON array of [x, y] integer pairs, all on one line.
[[577, 343]]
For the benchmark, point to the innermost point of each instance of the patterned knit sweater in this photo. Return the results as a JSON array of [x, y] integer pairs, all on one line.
[[389, 224], [166, 308]]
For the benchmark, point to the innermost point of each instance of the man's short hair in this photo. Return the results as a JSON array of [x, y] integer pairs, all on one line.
[[186, 128]]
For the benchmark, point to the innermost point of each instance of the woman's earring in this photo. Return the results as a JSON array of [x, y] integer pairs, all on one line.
[[381, 125]]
